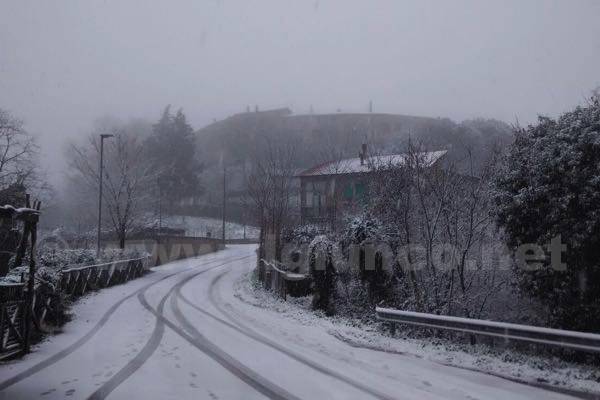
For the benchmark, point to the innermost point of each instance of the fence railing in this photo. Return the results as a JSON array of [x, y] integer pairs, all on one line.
[[12, 322], [77, 280], [279, 280], [582, 341], [46, 302]]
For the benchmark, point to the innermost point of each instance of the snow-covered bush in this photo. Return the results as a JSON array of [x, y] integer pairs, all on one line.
[[439, 224], [362, 228], [364, 285], [322, 256], [302, 234], [550, 187]]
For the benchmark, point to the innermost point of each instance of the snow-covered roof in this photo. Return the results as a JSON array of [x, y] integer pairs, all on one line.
[[354, 165]]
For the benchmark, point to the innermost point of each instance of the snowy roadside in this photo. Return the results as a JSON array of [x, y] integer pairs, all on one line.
[[505, 363]]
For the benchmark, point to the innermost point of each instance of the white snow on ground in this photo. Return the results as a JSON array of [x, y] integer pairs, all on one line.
[[188, 336], [200, 226], [114, 345], [503, 363]]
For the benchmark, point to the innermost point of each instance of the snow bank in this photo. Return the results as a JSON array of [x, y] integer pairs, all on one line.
[[504, 363]]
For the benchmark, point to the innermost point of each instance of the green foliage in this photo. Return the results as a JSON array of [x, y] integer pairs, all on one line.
[[550, 186], [172, 149]]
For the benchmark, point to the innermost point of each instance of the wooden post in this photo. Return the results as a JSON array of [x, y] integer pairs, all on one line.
[[30, 218]]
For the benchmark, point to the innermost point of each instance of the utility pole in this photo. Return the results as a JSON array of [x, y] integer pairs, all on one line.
[[159, 207], [102, 137], [224, 198]]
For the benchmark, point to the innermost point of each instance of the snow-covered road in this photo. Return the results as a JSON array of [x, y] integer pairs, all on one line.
[[181, 333]]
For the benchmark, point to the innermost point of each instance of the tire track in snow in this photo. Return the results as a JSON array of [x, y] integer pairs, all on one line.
[[246, 331], [85, 338], [574, 393], [152, 343], [238, 369]]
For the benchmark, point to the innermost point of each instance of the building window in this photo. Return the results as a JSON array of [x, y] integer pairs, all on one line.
[[308, 195], [348, 192], [359, 189]]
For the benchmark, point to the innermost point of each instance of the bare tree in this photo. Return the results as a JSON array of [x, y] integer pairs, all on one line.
[[446, 215], [17, 152], [127, 178], [271, 187]]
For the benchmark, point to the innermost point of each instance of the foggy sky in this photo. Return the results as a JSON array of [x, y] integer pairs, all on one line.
[[65, 63]]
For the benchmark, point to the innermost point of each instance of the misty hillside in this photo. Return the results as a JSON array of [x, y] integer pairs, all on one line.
[[322, 137]]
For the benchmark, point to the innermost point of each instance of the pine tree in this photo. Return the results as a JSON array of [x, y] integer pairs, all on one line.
[[172, 150]]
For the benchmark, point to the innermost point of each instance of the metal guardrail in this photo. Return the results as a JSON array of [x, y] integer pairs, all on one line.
[[589, 342]]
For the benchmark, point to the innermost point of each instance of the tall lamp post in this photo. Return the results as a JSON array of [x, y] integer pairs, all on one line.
[[102, 137], [224, 200]]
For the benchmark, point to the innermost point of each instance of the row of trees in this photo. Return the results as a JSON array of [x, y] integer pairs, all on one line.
[[145, 167]]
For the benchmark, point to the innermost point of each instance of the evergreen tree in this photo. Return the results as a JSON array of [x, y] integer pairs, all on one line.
[[172, 149], [550, 186]]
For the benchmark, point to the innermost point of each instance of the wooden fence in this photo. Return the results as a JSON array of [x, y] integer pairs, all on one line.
[[76, 281], [13, 304], [46, 305]]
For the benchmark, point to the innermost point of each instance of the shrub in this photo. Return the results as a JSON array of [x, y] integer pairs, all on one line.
[[549, 187]]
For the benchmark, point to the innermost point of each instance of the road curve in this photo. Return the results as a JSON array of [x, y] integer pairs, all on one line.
[[183, 332]]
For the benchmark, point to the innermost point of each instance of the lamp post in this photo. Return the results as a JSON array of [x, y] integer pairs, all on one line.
[[102, 137], [224, 201]]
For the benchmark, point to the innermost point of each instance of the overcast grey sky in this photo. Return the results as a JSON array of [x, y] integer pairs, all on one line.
[[64, 63]]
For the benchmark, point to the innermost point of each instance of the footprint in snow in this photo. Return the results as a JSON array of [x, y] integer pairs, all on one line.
[[426, 383], [70, 392], [47, 392]]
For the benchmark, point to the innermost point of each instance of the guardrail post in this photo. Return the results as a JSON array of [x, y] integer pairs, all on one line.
[[285, 283]]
